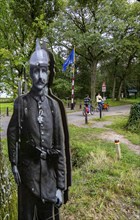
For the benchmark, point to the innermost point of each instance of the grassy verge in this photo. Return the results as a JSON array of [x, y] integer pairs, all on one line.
[[8, 192], [123, 101], [4, 107], [118, 125], [103, 187]]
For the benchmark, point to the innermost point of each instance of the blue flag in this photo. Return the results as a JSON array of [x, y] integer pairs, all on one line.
[[68, 61]]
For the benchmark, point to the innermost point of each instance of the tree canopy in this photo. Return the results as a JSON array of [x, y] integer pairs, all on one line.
[[105, 35]]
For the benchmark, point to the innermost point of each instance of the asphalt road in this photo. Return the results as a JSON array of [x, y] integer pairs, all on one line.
[[75, 117]]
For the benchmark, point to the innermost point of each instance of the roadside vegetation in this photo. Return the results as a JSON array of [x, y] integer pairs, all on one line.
[[78, 106], [107, 48], [133, 123], [105, 35], [119, 125], [124, 101], [103, 188], [129, 126], [8, 192], [6, 108]]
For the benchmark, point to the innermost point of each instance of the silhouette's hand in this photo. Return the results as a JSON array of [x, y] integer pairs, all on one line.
[[16, 174], [59, 198]]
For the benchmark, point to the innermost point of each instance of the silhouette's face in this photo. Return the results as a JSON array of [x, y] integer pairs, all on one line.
[[40, 77]]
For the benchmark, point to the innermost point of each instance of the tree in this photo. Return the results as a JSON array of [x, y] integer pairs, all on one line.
[[125, 42], [102, 32], [105, 34], [84, 28], [21, 22]]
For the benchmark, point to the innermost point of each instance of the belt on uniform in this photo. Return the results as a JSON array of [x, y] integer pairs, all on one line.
[[49, 153], [43, 155]]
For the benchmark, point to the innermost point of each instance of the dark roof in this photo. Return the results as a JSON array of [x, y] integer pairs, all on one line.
[[132, 90]]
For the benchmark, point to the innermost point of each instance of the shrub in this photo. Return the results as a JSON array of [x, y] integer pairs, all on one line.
[[133, 123], [8, 195]]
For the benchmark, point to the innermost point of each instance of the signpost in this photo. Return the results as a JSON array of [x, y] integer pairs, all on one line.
[[103, 89]]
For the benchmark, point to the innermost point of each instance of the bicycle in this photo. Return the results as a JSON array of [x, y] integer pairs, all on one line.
[[88, 110]]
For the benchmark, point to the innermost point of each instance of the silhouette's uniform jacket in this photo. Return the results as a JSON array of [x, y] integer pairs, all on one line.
[[42, 155], [43, 173]]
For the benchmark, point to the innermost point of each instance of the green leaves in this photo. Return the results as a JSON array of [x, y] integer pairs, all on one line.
[[105, 186], [105, 34], [133, 123]]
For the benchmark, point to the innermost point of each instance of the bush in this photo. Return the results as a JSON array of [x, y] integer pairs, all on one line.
[[8, 195], [133, 123]]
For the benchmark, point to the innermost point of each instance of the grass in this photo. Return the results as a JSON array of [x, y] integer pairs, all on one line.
[[118, 125], [8, 195], [124, 101], [4, 148], [4, 106], [103, 187]]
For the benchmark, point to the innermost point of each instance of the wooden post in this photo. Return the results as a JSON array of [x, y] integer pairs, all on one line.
[[73, 82], [118, 149], [86, 116], [7, 111], [72, 92], [100, 112]]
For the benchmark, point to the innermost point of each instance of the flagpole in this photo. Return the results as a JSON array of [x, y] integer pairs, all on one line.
[[73, 81]]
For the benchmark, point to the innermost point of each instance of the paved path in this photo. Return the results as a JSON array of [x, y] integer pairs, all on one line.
[[78, 119], [75, 117], [4, 120]]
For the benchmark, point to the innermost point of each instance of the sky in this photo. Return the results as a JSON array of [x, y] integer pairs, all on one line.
[[131, 1]]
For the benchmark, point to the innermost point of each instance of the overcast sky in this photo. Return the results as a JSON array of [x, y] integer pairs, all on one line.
[[131, 1]]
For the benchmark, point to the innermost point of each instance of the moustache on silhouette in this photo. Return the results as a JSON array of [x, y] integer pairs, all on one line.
[[41, 81]]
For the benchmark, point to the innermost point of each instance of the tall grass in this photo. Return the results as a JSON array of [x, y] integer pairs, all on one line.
[[103, 187], [8, 196], [119, 125]]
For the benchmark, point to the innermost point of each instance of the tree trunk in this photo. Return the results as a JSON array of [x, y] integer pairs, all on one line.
[[114, 87], [93, 79], [120, 89]]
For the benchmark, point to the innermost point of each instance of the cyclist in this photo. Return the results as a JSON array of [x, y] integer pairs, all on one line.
[[99, 100], [87, 103]]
